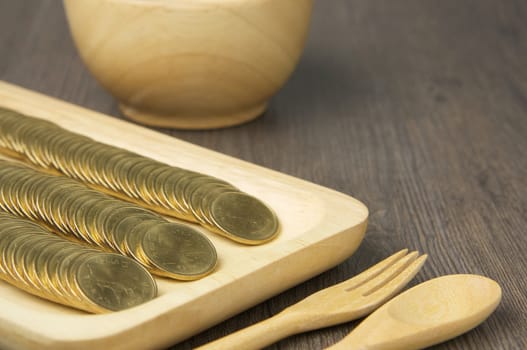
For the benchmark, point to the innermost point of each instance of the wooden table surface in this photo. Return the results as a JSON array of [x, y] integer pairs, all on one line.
[[417, 108]]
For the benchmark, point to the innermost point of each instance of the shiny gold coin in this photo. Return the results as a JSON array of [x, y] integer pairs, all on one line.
[[75, 162], [13, 194], [111, 223], [22, 253], [68, 156], [30, 259], [191, 186], [47, 262], [67, 270], [205, 205], [139, 184], [197, 197], [105, 165], [22, 195], [133, 239], [34, 140], [131, 229], [178, 251], [244, 218], [148, 192], [165, 190], [128, 185], [86, 220], [113, 282], [89, 172], [7, 247], [56, 149], [55, 274]]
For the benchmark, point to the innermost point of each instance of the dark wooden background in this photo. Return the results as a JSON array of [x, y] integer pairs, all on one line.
[[416, 107]]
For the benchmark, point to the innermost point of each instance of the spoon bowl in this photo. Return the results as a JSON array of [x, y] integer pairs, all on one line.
[[428, 314]]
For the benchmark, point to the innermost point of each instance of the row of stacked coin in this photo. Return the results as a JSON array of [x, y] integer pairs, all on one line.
[[55, 269], [188, 195], [76, 211]]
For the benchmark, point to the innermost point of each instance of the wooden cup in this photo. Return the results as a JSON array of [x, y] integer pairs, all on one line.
[[190, 64]]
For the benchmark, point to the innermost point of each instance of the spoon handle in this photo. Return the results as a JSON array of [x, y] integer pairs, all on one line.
[[259, 335]]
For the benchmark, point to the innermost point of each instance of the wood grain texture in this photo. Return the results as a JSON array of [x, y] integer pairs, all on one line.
[[200, 65], [417, 108], [430, 313], [343, 302]]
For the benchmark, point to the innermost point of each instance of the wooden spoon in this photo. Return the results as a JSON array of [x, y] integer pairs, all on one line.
[[430, 313]]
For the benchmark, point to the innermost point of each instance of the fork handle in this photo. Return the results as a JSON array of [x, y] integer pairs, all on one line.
[[258, 335]]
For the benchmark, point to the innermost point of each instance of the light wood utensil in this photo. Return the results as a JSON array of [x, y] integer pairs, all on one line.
[[343, 302], [430, 313]]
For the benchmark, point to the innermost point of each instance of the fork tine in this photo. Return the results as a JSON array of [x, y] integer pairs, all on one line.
[[396, 282], [373, 271], [388, 273]]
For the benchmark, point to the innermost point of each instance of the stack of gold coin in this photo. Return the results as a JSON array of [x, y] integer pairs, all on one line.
[[209, 201], [78, 212], [53, 268]]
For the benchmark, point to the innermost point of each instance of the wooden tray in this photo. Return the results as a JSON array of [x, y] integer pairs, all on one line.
[[320, 229]]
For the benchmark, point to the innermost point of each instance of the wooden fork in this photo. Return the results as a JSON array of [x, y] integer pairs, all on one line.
[[340, 303]]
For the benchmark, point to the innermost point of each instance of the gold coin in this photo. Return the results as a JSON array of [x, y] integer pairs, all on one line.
[[89, 172], [62, 205], [56, 148], [31, 198], [6, 238], [139, 184], [30, 259], [12, 194], [86, 220], [22, 196], [206, 204], [108, 211], [133, 238], [114, 282], [165, 187], [131, 177], [115, 167], [34, 143], [189, 187], [43, 144], [178, 251], [21, 253], [8, 254], [148, 192], [67, 270], [60, 194], [178, 193], [75, 161], [47, 199], [60, 269], [7, 177], [106, 165], [111, 222], [69, 154], [244, 218], [46, 265], [40, 195], [129, 228], [196, 200]]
